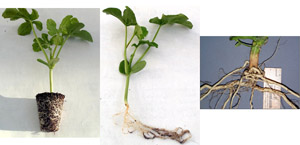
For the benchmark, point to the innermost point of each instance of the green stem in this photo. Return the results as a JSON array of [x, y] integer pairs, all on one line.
[[51, 79], [36, 38], [149, 46], [54, 50], [131, 58], [51, 56], [125, 53], [62, 46], [130, 40], [126, 90]]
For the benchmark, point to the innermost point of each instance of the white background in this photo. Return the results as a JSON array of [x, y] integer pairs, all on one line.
[[76, 76], [165, 94]]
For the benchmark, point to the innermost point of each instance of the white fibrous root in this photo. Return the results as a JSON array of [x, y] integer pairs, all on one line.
[[130, 125], [248, 80]]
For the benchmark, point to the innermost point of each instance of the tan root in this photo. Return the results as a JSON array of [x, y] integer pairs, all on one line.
[[131, 125], [248, 79]]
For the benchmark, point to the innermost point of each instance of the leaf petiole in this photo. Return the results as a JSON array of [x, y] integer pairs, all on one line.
[[54, 50], [149, 46], [36, 38], [62, 46]]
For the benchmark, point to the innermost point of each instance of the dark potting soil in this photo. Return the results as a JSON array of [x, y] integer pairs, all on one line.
[[50, 106]]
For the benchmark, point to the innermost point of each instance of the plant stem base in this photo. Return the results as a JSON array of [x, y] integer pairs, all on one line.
[[50, 106]]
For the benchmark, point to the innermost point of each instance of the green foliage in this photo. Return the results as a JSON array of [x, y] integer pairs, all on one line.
[[69, 27], [52, 62], [84, 35], [122, 67], [24, 29], [128, 18], [141, 42], [172, 19], [257, 40], [38, 25], [140, 31], [138, 66]]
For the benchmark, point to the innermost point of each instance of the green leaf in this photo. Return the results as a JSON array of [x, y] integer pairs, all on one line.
[[57, 40], [36, 47], [155, 20], [172, 19], [43, 62], [45, 37], [74, 20], [140, 31], [52, 62], [44, 43], [24, 13], [115, 12], [34, 15], [51, 26], [85, 35], [141, 42], [65, 24], [11, 13], [122, 67], [138, 66], [74, 28], [129, 17], [38, 25], [24, 29]]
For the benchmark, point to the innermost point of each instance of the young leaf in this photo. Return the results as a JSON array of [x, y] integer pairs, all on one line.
[[74, 28], [11, 13], [34, 15], [141, 42], [122, 67], [65, 24], [38, 25], [44, 42], [129, 17], [140, 31], [172, 19], [24, 29], [24, 13], [36, 47], [52, 62], [85, 35], [115, 12], [43, 62], [45, 37], [155, 20], [74, 20], [138, 66], [57, 40], [51, 26]]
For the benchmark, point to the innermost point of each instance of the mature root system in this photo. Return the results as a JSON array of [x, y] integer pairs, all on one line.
[[248, 80], [131, 125], [50, 106]]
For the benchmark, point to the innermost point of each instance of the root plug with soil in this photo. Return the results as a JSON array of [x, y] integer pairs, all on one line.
[[127, 68], [249, 76], [50, 104]]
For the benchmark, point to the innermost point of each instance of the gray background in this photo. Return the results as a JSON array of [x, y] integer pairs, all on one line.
[[219, 52]]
